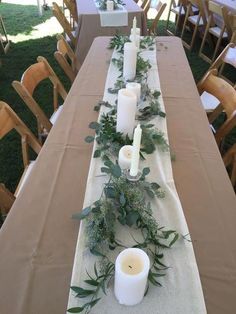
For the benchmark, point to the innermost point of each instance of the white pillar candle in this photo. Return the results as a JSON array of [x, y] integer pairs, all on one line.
[[126, 110], [135, 39], [136, 148], [138, 31], [125, 155], [135, 88], [110, 5], [130, 61], [131, 273]]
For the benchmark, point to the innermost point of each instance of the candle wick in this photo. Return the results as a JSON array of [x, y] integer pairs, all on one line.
[[130, 266]]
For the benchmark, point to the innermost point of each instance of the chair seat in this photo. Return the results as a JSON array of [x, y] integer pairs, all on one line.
[[209, 102], [24, 177], [193, 19], [216, 32], [55, 115], [230, 56], [74, 33], [177, 10]]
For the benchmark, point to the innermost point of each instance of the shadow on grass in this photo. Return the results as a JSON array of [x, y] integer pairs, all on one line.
[[21, 19]]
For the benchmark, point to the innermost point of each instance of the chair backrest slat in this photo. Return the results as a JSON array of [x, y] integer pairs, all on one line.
[[215, 8]]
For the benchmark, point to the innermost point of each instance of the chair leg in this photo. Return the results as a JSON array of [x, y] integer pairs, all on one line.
[[194, 36], [185, 22], [206, 34], [218, 45]]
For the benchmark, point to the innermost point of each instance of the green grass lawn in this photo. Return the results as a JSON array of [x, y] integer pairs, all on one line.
[[21, 22]]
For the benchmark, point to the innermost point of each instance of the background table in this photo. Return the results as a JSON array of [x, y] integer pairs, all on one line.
[[230, 4], [38, 238], [90, 25]]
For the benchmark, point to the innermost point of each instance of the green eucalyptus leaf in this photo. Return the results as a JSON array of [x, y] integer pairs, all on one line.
[[174, 240], [84, 213], [116, 171], [146, 171], [91, 282], [92, 303], [75, 310], [89, 139], [97, 153], [122, 199], [105, 170], [132, 218], [155, 186], [94, 125]]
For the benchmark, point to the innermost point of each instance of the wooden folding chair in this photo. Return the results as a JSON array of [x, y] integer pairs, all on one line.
[[178, 8], [70, 5], [30, 79], [63, 53], [144, 3], [58, 13], [4, 41], [160, 9], [212, 29], [8, 121], [198, 21], [147, 7], [230, 163], [226, 94], [228, 56]]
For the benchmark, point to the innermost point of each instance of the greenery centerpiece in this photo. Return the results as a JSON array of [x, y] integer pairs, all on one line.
[[103, 4], [122, 202]]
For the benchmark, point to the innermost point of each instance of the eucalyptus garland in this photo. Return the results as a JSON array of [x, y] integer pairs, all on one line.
[[117, 42], [103, 4], [126, 203], [109, 142]]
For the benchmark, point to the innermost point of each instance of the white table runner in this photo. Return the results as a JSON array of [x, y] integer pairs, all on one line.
[[114, 18], [181, 292]]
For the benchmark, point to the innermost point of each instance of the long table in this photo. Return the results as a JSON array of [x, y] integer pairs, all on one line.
[[90, 25], [38, 238]]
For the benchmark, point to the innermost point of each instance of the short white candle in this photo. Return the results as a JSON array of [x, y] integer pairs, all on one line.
[[136, 88], [130, 61], [126, 110], [110, 5], [138, 31], [131, 273], [135, 39], [136, 148], [125, 155]]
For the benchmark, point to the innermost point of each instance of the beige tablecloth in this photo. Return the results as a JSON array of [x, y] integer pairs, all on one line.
[[90, 24], [38, 239]]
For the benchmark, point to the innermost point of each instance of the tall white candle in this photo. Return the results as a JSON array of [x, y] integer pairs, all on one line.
[[125, 155], [126, 109], [135, 88], [136, 149], [134, 24], [131, 272], [138, 31], [110, 5], [135, 39], [130, 61]]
